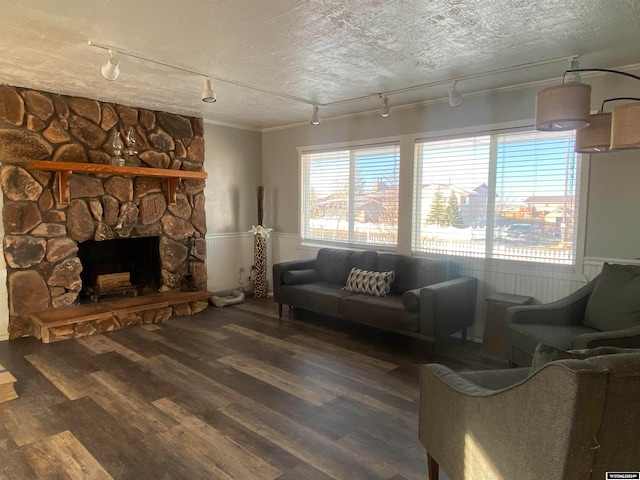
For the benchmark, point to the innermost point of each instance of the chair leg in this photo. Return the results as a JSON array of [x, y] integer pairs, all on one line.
[[464, 335], [433, 467], [280, 310], [431, 346]]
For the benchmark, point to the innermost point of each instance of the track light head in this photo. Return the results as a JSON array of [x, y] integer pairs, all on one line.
[[110, 70], [315, 117], [455, 97], [208, 95], [573, 77], [385, 112]]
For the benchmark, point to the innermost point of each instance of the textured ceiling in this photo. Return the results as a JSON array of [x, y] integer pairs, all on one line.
[[322, 51]]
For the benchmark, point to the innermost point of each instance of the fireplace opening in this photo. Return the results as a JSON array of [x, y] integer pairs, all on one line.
[[137, 257]]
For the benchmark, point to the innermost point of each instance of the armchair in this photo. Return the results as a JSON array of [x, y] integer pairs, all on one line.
[[606, 311], [569, 420]]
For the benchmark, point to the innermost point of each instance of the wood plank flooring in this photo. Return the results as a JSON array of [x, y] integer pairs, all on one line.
[[229, 393]]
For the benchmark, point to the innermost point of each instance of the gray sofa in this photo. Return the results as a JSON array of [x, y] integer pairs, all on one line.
[[427, 298]]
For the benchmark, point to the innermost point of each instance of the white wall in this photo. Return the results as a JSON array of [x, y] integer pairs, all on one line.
[[233, 162]]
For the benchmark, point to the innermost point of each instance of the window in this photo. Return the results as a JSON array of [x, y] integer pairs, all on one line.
[[507, 196], [351, 195]]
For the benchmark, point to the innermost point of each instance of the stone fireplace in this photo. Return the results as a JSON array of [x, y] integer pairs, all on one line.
[[45, 237]]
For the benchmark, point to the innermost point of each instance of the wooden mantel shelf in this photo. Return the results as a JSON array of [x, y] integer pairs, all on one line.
[[67, 168]]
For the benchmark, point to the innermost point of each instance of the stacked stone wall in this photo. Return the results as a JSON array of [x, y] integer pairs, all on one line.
[[42, 235]]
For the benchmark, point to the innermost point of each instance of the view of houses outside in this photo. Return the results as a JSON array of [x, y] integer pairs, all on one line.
[[530, 212], [352, 195], [510, 196]]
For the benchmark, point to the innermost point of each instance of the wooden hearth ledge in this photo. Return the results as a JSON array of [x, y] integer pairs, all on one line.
[[65, 170], [81, 320]]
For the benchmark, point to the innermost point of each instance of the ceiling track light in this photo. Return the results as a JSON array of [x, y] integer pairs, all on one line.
[[208, 95], [455, 97], [568, 107], [111, 69], [315, 116], [385, 112]]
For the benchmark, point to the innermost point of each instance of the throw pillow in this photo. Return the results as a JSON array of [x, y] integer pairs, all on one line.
[[606, 350], [411, 300], [546, 353], [371, 283], [614, 303]]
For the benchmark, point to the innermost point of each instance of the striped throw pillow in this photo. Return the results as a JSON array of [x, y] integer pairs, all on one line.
[[371, 283]]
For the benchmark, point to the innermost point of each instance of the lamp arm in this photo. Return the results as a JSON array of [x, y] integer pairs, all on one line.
[[573, 70], [614, 99]]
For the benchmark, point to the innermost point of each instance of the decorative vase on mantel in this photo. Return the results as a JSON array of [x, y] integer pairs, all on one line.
[[260, 235]]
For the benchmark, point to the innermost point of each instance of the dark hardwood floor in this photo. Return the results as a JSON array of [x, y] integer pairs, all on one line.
[[230, 393]]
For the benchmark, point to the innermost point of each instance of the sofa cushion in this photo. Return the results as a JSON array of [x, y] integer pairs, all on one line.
[[334, 265], [415, 272], [528, 336], [614, 303], [387, 312], [296, 277], [371, 283], [320, 297]]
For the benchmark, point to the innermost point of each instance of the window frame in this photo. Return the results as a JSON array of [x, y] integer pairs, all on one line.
[[406, 201], [505, 265], [303, 186]]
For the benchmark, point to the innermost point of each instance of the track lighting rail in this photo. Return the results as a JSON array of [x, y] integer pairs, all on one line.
[[207, 97], [607, 70]]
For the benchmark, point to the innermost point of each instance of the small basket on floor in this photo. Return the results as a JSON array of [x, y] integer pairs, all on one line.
[[227, 297]]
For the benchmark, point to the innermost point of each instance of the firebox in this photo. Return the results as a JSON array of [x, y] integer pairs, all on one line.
[[137, 257]]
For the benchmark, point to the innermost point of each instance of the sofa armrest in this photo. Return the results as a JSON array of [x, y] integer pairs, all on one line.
[[447, 307], [628, 338], [451, 379], [477, 383], [279, 269], [566, 311]]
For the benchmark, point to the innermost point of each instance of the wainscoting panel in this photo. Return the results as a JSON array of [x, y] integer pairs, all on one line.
[[226, 255], [593, 265]]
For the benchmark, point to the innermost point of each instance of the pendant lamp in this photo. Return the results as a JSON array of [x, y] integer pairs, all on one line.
[[625, 126], [595, 138], [563, 107]]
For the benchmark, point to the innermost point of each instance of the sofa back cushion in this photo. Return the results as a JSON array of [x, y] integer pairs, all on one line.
[[334, 265], [415, 272], [614, 303]]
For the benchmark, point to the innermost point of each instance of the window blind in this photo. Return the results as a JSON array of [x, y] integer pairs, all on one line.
[[351, 195], [509, 196]]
